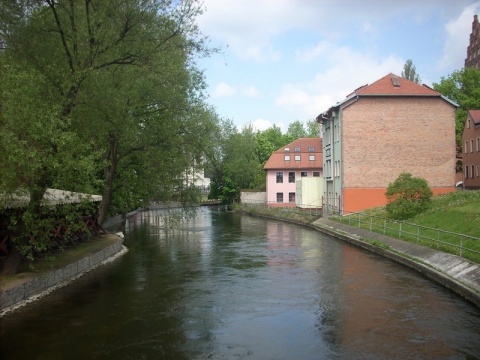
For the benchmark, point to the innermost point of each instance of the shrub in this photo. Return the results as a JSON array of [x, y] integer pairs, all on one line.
[[407, 196]]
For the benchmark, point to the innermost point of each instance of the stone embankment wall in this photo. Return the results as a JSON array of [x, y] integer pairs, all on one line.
[[43, 284]]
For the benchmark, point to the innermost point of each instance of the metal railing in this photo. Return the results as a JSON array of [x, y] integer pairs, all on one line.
[[465, 246]]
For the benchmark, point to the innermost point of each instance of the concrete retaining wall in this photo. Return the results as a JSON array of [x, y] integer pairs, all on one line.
[[43, 284], [253, 197]]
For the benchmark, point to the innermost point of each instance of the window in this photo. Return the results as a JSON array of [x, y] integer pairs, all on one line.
[[279, 177], [468, 123], [478, 144], [287, 157], [472, 149], [291, 197], [297, 157], [316, 174], [287, 149], [328, 168], [466, 172], [466, 146], [478, 172], [473, 171], [297, 149], [291, 177], [311, 149], [303, 174], [337, 168], [311, 157], [279, 197]]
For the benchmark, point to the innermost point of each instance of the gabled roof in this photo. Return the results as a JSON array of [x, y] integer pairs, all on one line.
[[395, 85], [389, 85], [475, 115], [277, 159]]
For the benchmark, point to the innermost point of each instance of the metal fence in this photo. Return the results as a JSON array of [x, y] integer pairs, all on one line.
[[460, 244]]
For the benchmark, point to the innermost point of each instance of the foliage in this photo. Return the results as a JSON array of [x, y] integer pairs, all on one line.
[[234, 162], [462, 87], [407, 196], [409, 72], [100, 97]]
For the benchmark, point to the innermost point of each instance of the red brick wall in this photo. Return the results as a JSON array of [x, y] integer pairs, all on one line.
[[357, 199], [471, 156], [383, 137]]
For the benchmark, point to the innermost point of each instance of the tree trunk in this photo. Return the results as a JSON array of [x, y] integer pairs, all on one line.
[[11, 265], [109, 174]]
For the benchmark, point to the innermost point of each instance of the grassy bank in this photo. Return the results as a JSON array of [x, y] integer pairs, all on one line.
[[457, 212], [57, 261]]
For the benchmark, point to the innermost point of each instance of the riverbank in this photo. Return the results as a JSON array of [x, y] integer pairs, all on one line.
[[451, 271], [51, 274]]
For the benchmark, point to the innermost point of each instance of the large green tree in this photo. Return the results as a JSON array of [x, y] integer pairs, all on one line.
[[100, 96], [462, 87], [234, 162]]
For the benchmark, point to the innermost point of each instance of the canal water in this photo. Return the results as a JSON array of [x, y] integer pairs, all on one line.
[[218, 285]]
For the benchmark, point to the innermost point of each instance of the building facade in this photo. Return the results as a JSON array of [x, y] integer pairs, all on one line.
[[379, 131], [473, 49], [300, 158], [471, 150]]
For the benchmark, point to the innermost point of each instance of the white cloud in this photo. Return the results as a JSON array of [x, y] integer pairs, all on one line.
[[223, 90], [263, 124], [456, 43], [250, 91], [346, 71]]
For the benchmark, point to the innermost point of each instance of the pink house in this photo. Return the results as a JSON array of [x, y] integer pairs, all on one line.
[[300, 158]]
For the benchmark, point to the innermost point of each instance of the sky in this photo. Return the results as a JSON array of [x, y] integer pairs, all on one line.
[[287, 60]]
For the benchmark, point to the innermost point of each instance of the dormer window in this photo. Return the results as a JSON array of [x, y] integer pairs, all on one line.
[[287, 149], [287, 157], [311, 149], [297, 149]]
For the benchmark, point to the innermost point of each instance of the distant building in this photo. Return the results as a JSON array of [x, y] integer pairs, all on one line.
[[287, 165], [473, 50], [471, 150], [379, 131]]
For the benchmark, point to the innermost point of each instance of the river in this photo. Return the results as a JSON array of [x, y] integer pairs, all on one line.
[[218, 285]]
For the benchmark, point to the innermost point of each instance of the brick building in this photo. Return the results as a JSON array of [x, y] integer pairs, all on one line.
[[379, 131], [471, 150], [473, 49]]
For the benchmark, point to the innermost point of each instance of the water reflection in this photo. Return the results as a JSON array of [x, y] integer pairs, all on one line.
[[224, 286]]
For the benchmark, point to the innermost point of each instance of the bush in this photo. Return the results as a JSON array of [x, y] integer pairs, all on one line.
[[407, 196]]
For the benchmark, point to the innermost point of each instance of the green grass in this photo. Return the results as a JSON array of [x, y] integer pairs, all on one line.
[[457, 212]]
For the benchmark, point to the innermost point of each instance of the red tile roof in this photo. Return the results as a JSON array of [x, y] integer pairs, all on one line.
[[475, 115], [389, 85], [277, 159], [386, 86]]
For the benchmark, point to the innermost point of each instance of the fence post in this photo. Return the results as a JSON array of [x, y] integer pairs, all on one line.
[[384, 226], [418, 232], [461, 245], [371, 221], [358, 219], [400, 231]]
